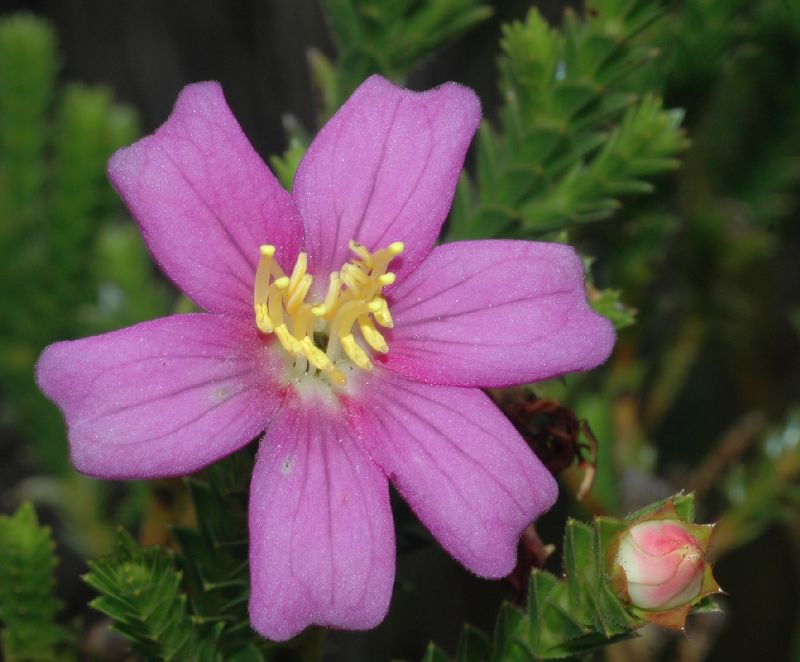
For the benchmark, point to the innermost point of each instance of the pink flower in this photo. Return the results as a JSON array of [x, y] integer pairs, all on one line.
[[356, 374], [663, 564]]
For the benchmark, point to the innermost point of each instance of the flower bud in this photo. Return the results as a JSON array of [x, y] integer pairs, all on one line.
[[662, 563]]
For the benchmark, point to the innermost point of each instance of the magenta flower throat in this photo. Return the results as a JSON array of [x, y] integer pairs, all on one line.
[[334, 327]]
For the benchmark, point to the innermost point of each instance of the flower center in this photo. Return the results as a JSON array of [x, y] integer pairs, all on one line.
[[316, 334]]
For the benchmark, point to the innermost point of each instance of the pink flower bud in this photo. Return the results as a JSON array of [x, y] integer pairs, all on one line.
[[662, 563]]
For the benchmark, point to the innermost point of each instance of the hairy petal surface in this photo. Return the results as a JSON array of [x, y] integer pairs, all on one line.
[[205, 201], [384, 169], [459, 463], [321, 531], [495, 313], [164, 397]]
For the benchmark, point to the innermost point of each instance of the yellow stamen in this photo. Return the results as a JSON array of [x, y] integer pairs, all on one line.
[[384, 256], [330, 298], [289, 342], [263, 321], [363, 253], [261, 288], [373, 337], [355, 279], [316, 356], [354, 351], [382, 314], [275, 301], [299, 271], [353, 297], [297, 296], [302, 320], [346, 317]]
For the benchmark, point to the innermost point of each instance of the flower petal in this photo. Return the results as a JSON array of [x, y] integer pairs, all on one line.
[[681, 586], [384, 169], [459, 463], [495, 313], [321, 532], [206, 201], [161, 398]]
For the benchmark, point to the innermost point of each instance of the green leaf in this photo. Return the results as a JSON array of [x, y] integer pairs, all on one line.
[[573, 616], [389, 38], [214, 557], [576, 137], [28, 65], [608, 303], [285, 166], [28, 608], [140, 589]]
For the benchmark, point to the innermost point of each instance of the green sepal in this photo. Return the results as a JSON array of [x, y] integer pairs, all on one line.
[[706, 605], [549, 616], [680, 505], [578, 563], [507, 630]]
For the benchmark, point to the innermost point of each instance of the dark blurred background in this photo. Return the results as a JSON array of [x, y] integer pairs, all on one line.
[[147, 51]]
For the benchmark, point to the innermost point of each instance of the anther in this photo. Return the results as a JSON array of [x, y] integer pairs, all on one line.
[[298, 295], [356, 354], [382, 314], [316, 356], [261, 289], [373, 337], [299, 270], [275, 300], [330, 301], [263, 321], [289, 342], [362, 252]]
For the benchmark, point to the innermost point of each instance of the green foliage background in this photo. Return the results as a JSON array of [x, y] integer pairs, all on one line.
[[660, 138]]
